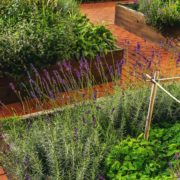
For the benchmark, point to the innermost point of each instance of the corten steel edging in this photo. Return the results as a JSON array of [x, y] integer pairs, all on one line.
[[7, 96]]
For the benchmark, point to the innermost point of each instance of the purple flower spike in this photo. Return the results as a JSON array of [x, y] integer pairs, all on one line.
[[13, 87], [78, 74], [32, 94], [54, 81], [98, 59], [47, 75], [27, 177], [35, 71], [178, 60], [152, 54], [138, 47], [110, 69], [95, 95], [67, 66], [86, 65], [51, 95]]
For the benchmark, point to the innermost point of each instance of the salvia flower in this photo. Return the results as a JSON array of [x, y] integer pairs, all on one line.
[[35, 71], [78, 74], [138, 47], [178, 60], [32, 94], [98, 59], [27, 177], [47, 75], [67, 66], [110, 69], [94, 95], [12, 87]]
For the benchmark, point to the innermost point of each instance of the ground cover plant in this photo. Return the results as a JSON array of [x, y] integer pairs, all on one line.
[[74, 142], [44, 32], [139, 159]]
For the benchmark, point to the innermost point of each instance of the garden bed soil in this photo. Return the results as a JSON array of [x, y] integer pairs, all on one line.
[[135, 22], [7, 96]]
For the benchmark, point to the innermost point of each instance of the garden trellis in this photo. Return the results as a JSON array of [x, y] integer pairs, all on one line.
[[154, 87]]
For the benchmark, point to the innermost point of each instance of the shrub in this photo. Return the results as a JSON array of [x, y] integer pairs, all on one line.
[[161, 14], [72, 143], [43, 32], [140, 159], [131, 111]]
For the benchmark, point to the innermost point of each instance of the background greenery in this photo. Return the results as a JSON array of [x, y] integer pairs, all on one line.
[[43, 32], [162, 14]]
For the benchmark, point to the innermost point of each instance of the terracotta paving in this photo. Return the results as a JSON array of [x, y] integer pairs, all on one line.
[[103, 13], [2, 174]]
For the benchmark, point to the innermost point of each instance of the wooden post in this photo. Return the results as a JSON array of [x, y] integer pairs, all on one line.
[[151, 107]]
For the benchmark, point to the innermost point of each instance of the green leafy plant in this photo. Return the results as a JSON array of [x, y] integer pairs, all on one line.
[[140, 159], [44, 32]]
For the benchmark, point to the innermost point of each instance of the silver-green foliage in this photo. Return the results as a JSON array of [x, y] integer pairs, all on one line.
[[72, 144], [161, 13]]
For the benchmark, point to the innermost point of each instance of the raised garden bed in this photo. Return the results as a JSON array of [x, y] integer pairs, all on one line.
[[135, 22], [108, 61]]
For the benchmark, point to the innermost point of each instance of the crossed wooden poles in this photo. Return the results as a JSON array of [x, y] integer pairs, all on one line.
[[154, 87]]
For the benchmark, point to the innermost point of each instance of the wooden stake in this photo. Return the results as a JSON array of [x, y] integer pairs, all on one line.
[[151, 106]]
